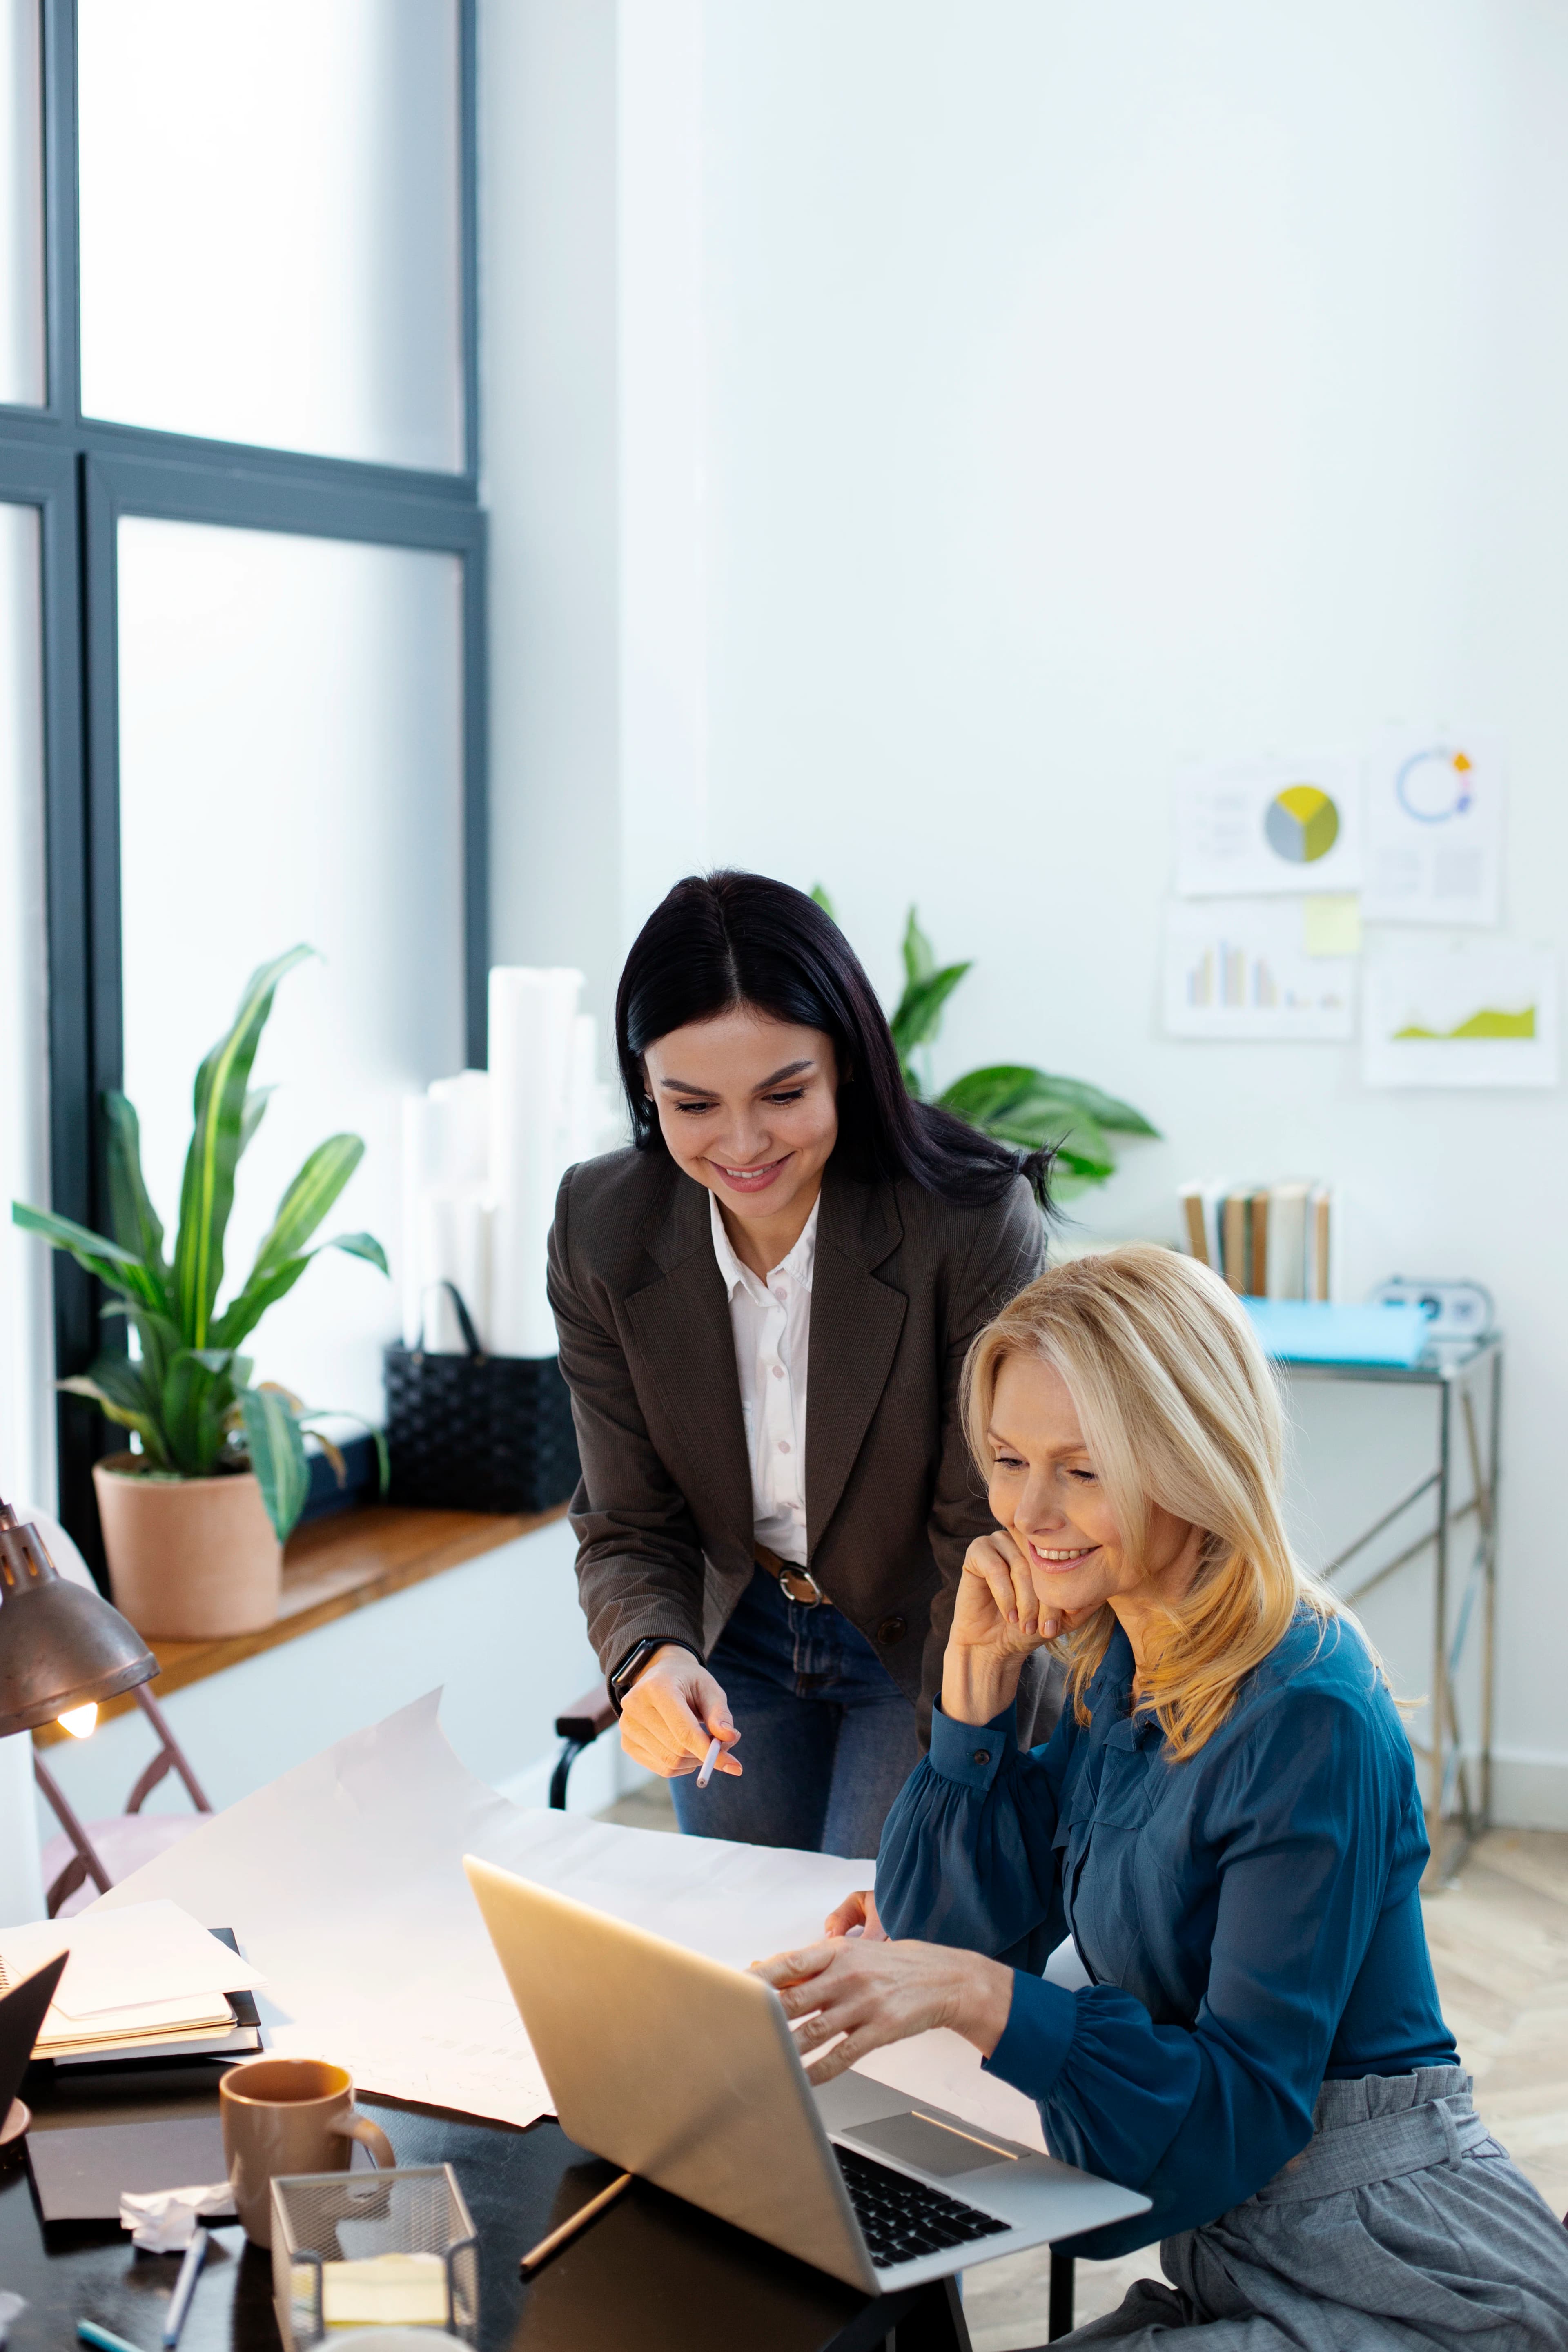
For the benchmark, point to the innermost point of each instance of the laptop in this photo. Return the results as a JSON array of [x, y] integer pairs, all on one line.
[[22, 2009], [685, 2071]]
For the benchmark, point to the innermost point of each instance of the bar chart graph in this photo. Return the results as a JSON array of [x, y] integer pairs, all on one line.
[[1238, 968]]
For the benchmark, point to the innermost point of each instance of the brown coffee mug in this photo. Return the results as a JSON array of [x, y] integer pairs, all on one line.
[[288, 2114]]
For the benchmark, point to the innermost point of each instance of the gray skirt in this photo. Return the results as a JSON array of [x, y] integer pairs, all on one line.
[[1401, 2227]]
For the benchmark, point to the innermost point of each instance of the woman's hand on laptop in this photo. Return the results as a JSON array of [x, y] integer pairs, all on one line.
[[857, 1914], [672, 1713], [874, 1993]]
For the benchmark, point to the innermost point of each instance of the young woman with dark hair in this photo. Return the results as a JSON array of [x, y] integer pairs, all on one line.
[[788, 1221]]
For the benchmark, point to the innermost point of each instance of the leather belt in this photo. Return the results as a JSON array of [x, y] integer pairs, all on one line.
[[799, 1583]]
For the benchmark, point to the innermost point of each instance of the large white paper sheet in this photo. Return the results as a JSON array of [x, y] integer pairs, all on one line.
[[343, 1882]]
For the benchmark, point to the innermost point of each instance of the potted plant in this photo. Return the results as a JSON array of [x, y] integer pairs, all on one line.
[[1012, 1100], [195, 1523]]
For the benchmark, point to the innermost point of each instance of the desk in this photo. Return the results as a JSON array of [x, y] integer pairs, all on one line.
[[653, 2272], [1463, 1373]]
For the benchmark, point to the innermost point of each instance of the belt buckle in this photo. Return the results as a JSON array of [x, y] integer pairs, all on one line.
[[790, 1577]]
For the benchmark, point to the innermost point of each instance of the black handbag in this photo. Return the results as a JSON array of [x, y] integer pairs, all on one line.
[[477, 1432]]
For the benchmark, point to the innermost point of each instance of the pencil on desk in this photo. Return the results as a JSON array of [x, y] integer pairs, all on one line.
[[537, 2256]]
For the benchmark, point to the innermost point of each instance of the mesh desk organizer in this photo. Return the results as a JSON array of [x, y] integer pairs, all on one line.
[[1467, 1378], [356, 2249]]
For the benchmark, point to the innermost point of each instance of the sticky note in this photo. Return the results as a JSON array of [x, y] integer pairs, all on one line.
[[1331, 926], [387, 2291]]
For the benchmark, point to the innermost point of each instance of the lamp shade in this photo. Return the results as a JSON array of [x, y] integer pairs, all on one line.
[[59, 1645]]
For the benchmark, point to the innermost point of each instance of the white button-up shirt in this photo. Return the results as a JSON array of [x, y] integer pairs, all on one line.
[[772, 1324]]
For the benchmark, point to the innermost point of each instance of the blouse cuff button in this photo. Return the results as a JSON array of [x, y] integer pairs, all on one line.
[[981, 1756]]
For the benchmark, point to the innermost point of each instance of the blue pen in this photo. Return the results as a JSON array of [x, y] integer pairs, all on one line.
[[104, 2338], [184, 2288]]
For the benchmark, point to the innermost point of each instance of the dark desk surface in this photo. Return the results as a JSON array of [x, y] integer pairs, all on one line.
[[653, 2273]]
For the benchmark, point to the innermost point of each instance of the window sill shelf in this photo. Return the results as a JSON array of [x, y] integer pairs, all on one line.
[[330, 1568]]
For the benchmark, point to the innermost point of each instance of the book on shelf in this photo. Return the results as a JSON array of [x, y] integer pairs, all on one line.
[[1268, 1241]]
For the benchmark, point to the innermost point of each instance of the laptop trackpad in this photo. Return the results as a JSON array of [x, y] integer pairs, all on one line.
[[915, 2140]]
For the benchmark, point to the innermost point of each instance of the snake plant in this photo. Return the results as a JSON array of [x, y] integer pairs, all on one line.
[[1011, 1100], [188, 1394]]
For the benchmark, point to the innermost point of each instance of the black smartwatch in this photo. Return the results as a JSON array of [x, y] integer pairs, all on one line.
[[620, 1682]]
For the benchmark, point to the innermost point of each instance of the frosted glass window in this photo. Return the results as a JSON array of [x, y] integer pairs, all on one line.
[[22, 361], [271, 224], [26, 1351], [290, 714]]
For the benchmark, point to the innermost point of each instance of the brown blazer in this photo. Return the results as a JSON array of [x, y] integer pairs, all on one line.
[[902, 1281]]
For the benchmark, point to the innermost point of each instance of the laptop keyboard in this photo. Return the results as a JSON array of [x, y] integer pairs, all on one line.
[[902, 2218]]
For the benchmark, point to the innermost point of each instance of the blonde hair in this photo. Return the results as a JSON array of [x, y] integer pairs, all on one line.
[[1179, 1409]]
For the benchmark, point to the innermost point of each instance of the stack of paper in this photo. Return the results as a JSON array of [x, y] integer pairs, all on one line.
[[146, 1978]]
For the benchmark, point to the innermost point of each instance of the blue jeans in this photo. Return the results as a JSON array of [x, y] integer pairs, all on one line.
[[827, 1736]]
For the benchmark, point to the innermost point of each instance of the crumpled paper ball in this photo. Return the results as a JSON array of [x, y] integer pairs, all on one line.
[[163, 2221]]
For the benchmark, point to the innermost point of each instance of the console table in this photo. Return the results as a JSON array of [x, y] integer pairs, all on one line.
[[1467, 1378]]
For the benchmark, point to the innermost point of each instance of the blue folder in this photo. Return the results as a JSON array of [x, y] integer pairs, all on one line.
[[1302, 1331]]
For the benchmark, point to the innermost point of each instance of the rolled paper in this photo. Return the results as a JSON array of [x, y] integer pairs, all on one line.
[[419, 1134], [532, 1017], [463, 1113], [455, 1248], [446, 1149]]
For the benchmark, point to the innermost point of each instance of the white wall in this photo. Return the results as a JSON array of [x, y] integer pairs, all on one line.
[[1087, 389]]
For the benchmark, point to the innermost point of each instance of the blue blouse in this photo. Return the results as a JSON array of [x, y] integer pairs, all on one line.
[[1249, 1918]]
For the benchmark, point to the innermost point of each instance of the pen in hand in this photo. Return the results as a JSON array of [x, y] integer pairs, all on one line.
[[706, 1774]]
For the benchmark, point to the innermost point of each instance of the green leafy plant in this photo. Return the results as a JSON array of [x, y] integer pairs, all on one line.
[[188, 1395], [1011, 1100]]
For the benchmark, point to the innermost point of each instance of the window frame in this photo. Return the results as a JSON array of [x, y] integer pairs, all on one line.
[[83, 473]]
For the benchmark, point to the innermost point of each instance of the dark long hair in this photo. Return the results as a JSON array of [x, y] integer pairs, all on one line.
[[727, 939]]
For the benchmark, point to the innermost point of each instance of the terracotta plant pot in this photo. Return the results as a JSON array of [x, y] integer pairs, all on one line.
[[189, 1559]]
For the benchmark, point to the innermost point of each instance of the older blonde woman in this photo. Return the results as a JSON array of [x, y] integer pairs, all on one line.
[[1226, 1820]]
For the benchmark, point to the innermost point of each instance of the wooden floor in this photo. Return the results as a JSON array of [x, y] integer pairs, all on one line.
[[1499, 1945]]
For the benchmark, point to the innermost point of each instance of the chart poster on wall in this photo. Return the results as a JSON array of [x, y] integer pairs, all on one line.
[[1434, 829], [1481, 1014], [1290, 825], [1238, 968]]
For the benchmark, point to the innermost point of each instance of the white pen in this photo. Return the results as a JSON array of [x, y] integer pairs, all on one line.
[[184, 2288], [706, 1774]]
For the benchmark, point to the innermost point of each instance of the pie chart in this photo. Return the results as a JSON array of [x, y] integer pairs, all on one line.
[[1301, 824]]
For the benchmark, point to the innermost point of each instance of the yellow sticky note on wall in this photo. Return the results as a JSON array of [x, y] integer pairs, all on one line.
[[1331, 926]]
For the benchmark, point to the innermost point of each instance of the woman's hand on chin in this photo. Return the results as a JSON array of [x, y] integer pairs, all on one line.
[[997, 1606], [874, 1993], [998, 1619]]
